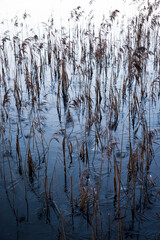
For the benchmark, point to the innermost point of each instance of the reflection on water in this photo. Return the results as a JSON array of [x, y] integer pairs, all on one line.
[[79, 127]]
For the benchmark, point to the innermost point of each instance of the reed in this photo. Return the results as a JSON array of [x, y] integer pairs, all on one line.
[[66, 97]]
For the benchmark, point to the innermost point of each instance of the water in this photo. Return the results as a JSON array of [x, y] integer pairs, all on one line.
[[79, 128]]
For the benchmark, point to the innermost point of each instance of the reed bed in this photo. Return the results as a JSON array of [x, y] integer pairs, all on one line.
[[79, 137]]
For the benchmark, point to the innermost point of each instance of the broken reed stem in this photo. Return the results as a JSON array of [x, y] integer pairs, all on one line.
[[119, 176], [99, 136], [69, 144], [87, 158], [115, 179], [100, 174], [64, 158], [4, 176], [21, 171], [11, 172]]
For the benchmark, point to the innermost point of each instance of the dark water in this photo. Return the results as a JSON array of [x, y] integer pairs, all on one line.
[[79, 129]]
